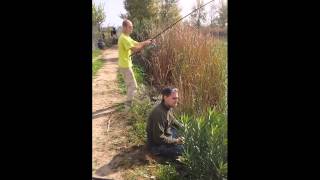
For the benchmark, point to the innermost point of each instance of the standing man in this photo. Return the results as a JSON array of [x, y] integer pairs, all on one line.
[[126, 46]]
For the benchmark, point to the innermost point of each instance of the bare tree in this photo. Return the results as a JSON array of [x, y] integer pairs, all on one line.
[[98, 15], [223, 13], [199, 16], [98, 18]]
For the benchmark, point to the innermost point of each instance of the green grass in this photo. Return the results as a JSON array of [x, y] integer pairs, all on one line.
[[96, 53], [141, 172], [153, 171], [120, 107], [166, 172], [139, 132], [138, 74], [97, 62], [121, 84], [140, 112], [96, 65]]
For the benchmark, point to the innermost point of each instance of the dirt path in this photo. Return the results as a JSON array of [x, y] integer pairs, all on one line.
[[107, 124], [112, 155]]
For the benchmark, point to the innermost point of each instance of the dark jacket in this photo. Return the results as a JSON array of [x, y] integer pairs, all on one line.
[[160, 122]]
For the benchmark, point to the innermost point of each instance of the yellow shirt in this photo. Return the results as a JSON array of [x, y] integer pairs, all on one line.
[[124, 44]]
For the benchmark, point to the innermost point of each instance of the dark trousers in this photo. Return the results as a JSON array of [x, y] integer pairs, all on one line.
[[168, 150]]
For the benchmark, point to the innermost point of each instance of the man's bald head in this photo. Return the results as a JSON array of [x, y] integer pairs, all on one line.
[[127, 26], [126, 23]]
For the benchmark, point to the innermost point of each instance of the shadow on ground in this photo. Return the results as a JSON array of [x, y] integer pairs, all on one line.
[[133, 157]]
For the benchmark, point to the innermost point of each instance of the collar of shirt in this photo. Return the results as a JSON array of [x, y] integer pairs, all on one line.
[[167, 108]]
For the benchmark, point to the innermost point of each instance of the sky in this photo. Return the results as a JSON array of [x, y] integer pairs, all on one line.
[[113, 9]]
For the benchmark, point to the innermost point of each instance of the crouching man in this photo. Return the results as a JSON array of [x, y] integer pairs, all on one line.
[[162, 137]]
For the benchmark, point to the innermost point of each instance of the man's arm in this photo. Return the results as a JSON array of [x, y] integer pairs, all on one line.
[[159, 131], [175, 121], [140, 45]]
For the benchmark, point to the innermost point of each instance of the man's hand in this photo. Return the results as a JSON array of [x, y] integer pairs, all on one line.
[[153, 41], [141, 45], [180, 140], [147, 42]]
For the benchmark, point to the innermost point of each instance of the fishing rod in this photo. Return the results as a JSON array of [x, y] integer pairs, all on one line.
[[176, 23], [180, 20]]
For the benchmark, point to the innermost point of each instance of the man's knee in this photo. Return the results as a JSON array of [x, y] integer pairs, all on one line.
[[133, 86], [132, 89], [170, 151]]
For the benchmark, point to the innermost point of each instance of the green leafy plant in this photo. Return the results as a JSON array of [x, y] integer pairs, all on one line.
[[206, 145]]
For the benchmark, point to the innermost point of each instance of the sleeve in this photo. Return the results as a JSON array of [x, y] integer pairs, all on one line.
[[175, 121], [134, 42], [160, 130], [127, 43]]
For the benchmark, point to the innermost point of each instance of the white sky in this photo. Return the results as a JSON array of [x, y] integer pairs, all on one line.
[[113, 9]]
